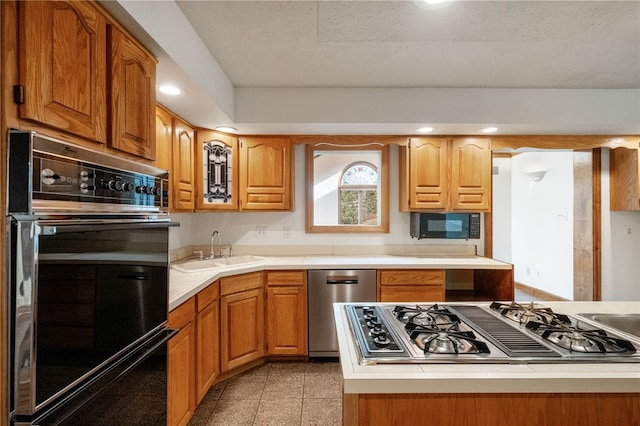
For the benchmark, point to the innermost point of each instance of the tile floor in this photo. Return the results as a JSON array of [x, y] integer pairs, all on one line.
[[278, 393]]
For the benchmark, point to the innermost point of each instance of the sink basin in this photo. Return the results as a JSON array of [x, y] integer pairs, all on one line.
[[196, 265], [629, 323]]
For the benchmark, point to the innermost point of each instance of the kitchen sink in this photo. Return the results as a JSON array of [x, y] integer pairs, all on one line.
[[629, 323], [196, 265]]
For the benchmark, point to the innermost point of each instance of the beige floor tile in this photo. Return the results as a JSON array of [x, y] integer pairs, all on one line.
[[287, 368], [279, 412], [244, 387], [322, 412], [233, 412], [261, 370], [284, 386], [323, 368], [322, 386]]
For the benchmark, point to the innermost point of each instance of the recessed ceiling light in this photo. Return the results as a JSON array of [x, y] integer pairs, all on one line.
[[425, 130], [435, 1], [489, 130], [169, 89], [226, 129]]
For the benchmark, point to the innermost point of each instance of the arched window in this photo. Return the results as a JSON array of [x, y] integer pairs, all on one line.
[[358, 195]]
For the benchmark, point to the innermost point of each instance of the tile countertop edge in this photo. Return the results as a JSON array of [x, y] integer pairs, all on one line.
[[485, 378], [182, 286]]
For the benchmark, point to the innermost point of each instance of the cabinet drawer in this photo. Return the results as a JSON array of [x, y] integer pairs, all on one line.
[[230, 285], [412, 293], [208, 295], [183, 314], [412, 277], [286, 278]]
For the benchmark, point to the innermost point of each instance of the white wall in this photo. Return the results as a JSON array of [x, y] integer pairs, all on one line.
[[501, 199], [620, 247], [239, 228], [542, 222]]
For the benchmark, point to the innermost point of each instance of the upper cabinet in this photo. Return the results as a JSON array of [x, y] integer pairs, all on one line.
[[132, 97], [266, 171], [182, 173], [446, 174], [63, 66], [624, 179], [216, 171], [80, 73]]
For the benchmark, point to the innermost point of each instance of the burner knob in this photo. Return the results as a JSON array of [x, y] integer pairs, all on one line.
[[157, 191], [372, 321], [127, 187], [377, 330], [119, 185], [141, 189], [111, 185], [84, 188]]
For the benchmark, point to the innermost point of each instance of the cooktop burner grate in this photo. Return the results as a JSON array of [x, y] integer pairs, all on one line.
[[506, 337]]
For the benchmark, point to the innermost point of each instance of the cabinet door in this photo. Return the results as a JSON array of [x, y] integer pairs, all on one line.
[[164, 133], [133, 97], [181, 384], [63, 66], [412, 285], [428, 173], [183, 173], [471, 174], [242, 328], [265, 173], [287, 320], [208, 348], [216, 171]]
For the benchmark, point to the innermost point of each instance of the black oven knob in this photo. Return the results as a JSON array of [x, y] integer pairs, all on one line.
[[84, 188], [111, 185], [118, 185], [154, 191], [149, 190], [127, 187], [85, 175], [141, 189]]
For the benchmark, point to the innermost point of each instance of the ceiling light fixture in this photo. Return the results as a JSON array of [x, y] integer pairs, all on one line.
[[489, 130], [425, 130], [226, 129], [169, 89], [435, 1]]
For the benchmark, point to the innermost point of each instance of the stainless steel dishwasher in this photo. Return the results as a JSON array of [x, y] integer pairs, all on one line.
[[327, 287]]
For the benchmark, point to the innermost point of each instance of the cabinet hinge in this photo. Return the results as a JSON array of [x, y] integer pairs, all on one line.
[[18, 94]]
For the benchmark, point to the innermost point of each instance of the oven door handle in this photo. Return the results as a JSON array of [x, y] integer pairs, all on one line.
[[49, 228]]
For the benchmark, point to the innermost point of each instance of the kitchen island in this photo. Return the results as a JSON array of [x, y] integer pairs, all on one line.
[[490, 394]]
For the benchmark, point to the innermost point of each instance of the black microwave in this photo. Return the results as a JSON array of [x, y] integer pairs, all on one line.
[[445, 225]]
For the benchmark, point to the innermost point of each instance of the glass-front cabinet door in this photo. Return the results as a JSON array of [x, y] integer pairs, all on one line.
[[217, 159]]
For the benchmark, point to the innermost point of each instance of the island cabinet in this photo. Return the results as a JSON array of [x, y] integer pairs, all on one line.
[[216, 159], [241, 320], [207, 339], [446, 174], [624, 179], [266, 171], [411, 285], [181, 369], [286, 313]]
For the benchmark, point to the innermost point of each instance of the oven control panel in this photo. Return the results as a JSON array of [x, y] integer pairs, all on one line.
[[51, 176]]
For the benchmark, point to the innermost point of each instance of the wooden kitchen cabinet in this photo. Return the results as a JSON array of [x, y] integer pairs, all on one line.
[[63, 66], [266, 170], [207, 339], [444, 174], [181, 369], [241, 320], [164, 138], [182, 193], [287, 313], [624, 179], [132, 96], [411, 285], [216, 160]]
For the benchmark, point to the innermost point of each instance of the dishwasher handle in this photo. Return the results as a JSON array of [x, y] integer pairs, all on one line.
[[342, 279]]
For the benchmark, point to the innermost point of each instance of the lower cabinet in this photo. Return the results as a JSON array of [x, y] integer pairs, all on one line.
[[181, 370], [411, 285], [207, 339], [241, 319], [287, 313]]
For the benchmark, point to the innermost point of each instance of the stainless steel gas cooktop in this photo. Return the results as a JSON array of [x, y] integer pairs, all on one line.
[[466, 333]]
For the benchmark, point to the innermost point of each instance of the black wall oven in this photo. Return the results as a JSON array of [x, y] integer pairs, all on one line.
[[88, 274]]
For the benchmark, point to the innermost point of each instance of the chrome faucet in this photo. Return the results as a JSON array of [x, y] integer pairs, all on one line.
[[213, 234]]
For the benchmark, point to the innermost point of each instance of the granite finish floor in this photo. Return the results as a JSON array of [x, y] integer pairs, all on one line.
[[277, 393]]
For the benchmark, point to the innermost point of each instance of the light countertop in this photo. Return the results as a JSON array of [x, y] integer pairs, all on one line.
[[490, 378], [183, 285]]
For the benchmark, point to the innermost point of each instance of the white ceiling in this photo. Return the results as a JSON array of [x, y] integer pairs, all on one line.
[[307, 66]]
